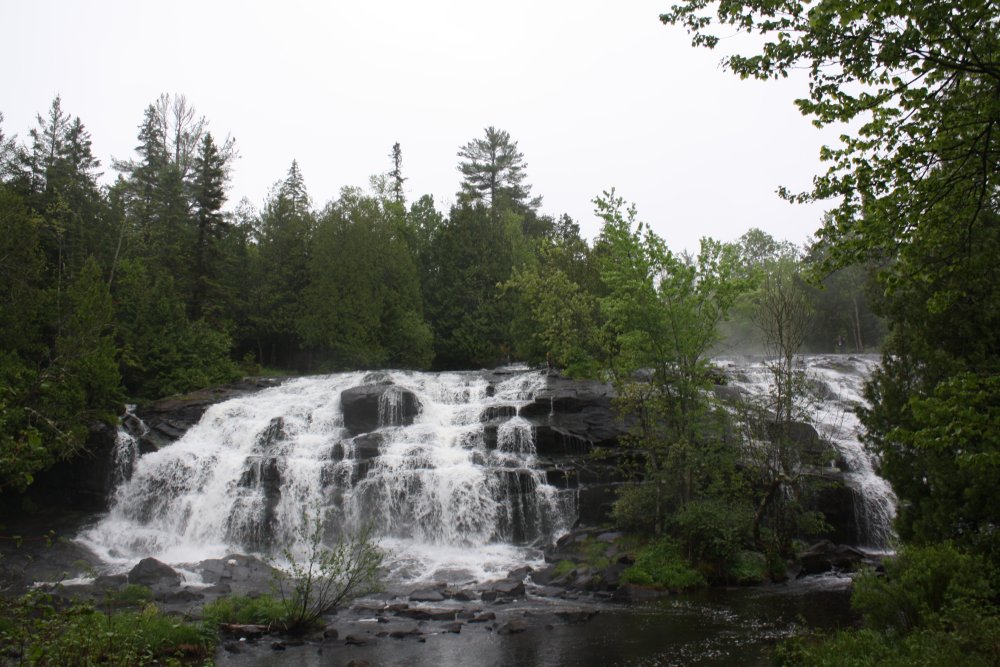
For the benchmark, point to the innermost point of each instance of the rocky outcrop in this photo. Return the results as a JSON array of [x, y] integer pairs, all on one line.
[[371, 406], [168, 419]]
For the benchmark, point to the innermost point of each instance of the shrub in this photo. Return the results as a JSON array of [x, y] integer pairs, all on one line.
[[326, 577], [635, 508], [713, 532], [260, 610], [661, 564], [39, 629], [919, 584]]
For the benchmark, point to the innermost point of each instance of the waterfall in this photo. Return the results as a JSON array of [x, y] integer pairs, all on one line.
[[125, 455], [834, 390], [455, 486]]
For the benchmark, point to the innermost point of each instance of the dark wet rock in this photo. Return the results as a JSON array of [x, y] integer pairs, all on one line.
[[825, 556], [427, 595], [185, 596], [357, 662], [110, 581], [278, 646], [520, 573], [232, 647], [483, 617], [330, 633], [466, 615], [151, 572], [498, 413], [367, 446], [611, 576], [368, 407], [462, 595], [610, 537], [596, 502], [169, 418], [352, 640], [237, 574], [454, 628], [512, 627], [428, 614], [409, 631], [549, 591]]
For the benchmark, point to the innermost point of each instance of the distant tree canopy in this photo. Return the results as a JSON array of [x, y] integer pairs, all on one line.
[[183, 293]]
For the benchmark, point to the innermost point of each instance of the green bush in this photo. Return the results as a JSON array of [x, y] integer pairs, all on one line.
[[919, 584], [749, 567], [260, 610], [635, 508], [714, 532], [39, 629], [934, 606], [661, 564]]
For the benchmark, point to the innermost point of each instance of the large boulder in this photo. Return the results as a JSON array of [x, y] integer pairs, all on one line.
[[572, 416], [371, 406], [153, 573]]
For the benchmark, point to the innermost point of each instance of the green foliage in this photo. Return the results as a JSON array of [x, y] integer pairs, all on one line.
[[260, 610], [934, 606], [493, 172], [39, 629], [749, 568], [363, 306], [563, 568], [163, 353], [635, 509], [471, 323], [661, 564], [558, 309], [660, 316], [920, 79], [920, 585], [713, 532]]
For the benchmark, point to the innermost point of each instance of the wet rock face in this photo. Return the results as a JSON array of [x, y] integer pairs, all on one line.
[[153, 573], [370, 406]]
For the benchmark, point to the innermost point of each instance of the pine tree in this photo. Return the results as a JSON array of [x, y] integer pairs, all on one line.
[[396, 175], [208, 195], [493, 173]]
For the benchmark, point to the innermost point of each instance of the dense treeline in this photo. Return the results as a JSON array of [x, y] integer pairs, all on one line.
[[152, 286], [914, 181]]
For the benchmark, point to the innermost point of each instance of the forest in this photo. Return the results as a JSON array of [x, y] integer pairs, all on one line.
[[154, 285]]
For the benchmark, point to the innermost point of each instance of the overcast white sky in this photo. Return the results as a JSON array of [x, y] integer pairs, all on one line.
[[598, 94]]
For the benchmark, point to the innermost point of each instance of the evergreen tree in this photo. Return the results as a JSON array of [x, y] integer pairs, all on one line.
[[208, 195], [493, 173], [286, 227], [363, 307], [471, 256], [396, 175]]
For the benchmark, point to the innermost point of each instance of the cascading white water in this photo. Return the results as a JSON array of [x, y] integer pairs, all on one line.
[[440, 494], [836, 382]]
